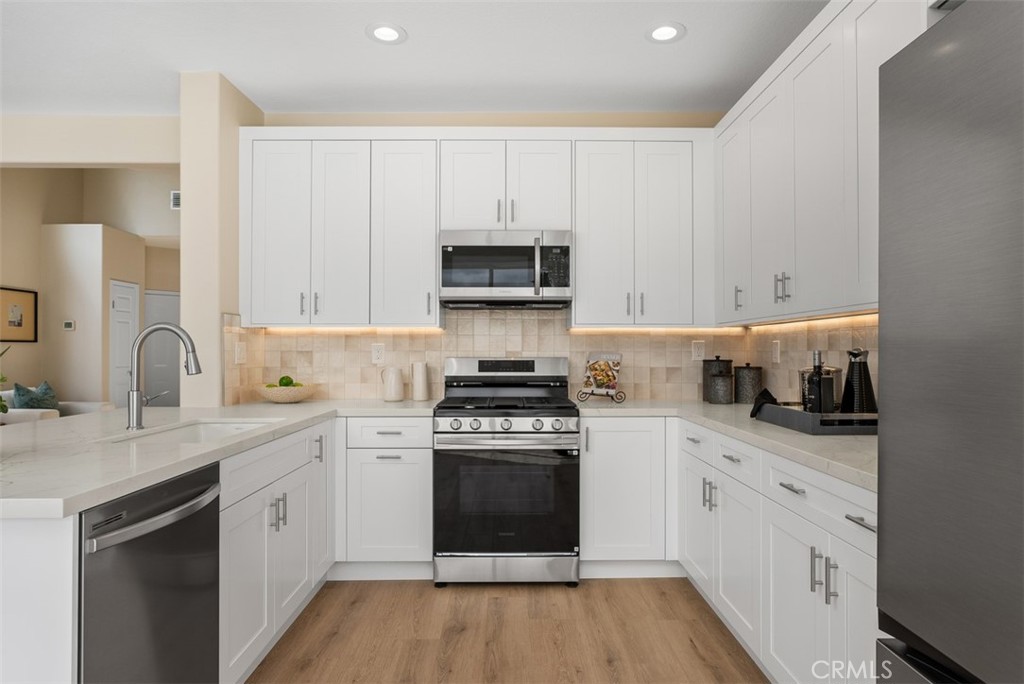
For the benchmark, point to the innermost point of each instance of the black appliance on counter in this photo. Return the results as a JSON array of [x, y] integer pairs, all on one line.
[[506, 473]]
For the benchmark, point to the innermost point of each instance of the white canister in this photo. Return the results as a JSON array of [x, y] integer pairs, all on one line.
[[393, 388], [420, 386]]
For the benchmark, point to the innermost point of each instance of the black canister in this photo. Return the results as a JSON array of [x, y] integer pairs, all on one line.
[[720, 389], [858, 395], [749, 383], [715, 366]]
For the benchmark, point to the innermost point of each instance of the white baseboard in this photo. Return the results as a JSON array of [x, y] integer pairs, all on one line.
[[346, 572], [630, 569]]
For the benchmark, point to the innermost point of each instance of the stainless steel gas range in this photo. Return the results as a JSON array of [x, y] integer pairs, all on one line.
[[506, 473]]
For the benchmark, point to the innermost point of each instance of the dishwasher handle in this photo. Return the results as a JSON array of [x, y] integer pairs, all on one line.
[[153, 524]]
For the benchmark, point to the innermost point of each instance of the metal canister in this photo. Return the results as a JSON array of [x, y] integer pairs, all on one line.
[[720, 389], [715, 366], [749, 383]]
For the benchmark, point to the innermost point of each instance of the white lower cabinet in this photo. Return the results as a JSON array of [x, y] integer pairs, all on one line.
[[820, 621], [264, 568], [390, 505], [622, 489], [321, 506], [737, 592], [696, 524]]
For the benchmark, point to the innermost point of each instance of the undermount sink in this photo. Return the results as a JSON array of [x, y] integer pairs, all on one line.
[[192, 432]]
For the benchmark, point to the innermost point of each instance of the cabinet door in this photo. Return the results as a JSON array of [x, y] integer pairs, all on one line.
[[622, 489], [696, 522], [853, 616], [246, 607], [734, 212], [321, 506], [663, 227], [794, 614], [538, 185], [292, 578], [403, 233], [771, 200], [603, 262], [824, 174], [279, 275], [472, 184], [882, 29], [390, 505], [340, 253], [738, 557]]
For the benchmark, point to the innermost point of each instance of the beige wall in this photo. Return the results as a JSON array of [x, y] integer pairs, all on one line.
[[212, 110], [88, 140], [72, 290], [135, 200], [28, 199], [163, 269], [608, 119]]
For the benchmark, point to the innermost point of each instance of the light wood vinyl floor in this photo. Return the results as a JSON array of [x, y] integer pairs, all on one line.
[[631, 630]]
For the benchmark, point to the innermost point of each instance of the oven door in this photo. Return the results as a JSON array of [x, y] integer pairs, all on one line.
[[506, 499]]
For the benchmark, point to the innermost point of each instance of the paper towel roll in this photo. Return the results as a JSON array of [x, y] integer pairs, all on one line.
[[420, 386]]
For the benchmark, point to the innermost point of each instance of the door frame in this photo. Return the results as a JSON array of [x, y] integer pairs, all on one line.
[[110, 324]]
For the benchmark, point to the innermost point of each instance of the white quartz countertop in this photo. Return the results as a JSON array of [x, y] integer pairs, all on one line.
[[56, 468]]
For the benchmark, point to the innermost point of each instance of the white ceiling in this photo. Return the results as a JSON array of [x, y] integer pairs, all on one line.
[[90, 57]]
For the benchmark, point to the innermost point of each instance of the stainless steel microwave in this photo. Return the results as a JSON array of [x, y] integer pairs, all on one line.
[[505, 268]]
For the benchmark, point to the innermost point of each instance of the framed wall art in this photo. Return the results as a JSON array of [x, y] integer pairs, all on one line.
[[19, 319]]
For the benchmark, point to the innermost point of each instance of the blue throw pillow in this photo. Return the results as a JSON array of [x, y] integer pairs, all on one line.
[[43, 397]]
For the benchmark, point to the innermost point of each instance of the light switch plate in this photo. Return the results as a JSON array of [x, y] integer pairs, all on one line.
[[241, 352], [697, 350], [377, 354], [776, 351]]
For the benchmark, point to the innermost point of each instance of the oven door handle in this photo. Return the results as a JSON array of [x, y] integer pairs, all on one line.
[[442, 443]]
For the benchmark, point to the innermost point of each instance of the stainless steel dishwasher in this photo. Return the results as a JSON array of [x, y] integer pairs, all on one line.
[[149, 584]]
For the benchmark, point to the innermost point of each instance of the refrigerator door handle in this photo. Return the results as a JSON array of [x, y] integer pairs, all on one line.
[[829, 567], [815, 557]]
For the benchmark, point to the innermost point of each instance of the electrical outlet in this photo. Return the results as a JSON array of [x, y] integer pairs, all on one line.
[[697, 350], [776, 351], [377, 354], [241, 353]]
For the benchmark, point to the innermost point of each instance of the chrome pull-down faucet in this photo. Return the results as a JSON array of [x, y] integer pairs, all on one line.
[[192, 367]]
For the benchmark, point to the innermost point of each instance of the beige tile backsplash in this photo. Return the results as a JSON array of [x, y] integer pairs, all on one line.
[[656, 363]]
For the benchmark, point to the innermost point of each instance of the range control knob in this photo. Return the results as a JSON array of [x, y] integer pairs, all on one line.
[[474, 424], [456, 424], [556, 424], [506, 424], [538, 424]]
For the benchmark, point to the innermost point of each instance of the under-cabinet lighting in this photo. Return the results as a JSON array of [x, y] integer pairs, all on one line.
[[677, 332], [323, 330], [859, 320]]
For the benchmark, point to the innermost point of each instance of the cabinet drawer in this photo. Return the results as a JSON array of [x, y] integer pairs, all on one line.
[[823, 500], [389, 433], [739, 460], [252, 470], [697, 441]]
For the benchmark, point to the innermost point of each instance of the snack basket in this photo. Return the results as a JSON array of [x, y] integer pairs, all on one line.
[[602, 378]]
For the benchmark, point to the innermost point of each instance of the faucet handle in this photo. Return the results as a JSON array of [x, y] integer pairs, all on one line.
[[146, 401]]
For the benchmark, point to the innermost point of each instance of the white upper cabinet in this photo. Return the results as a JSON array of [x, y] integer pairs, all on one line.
[[800, 162], [341, 232], [603, 293], [825, 189], [309, 208], [491, 184], [539, 185], [634, 234], [403, 233], [280, 232], [663, 232]]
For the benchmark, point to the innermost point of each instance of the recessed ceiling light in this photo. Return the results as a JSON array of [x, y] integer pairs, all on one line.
[[389, 34], [669, 32]]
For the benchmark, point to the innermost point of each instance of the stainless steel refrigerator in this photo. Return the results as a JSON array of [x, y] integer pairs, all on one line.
[[951, 262]]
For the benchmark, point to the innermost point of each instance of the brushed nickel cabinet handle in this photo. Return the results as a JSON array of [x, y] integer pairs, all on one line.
[[736, 298], [389, 457], [829, 567], [513, 214], [775, 288], [793, 488], [586, 439], [499, 210], [316, 303], [302, 303], [815, 557], [627, 304], [276, 522], [703, 492], [641, 303], [733, 459], [859, 520], [711, 496], [389, 433], [785, 288], [693, 440], [428, 303], [320, 448], [284, 509]]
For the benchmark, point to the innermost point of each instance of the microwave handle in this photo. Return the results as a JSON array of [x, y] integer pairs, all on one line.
[[536, 266]]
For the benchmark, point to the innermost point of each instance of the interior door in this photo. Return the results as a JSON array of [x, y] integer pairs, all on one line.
[[160, 361], [124, 328]]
